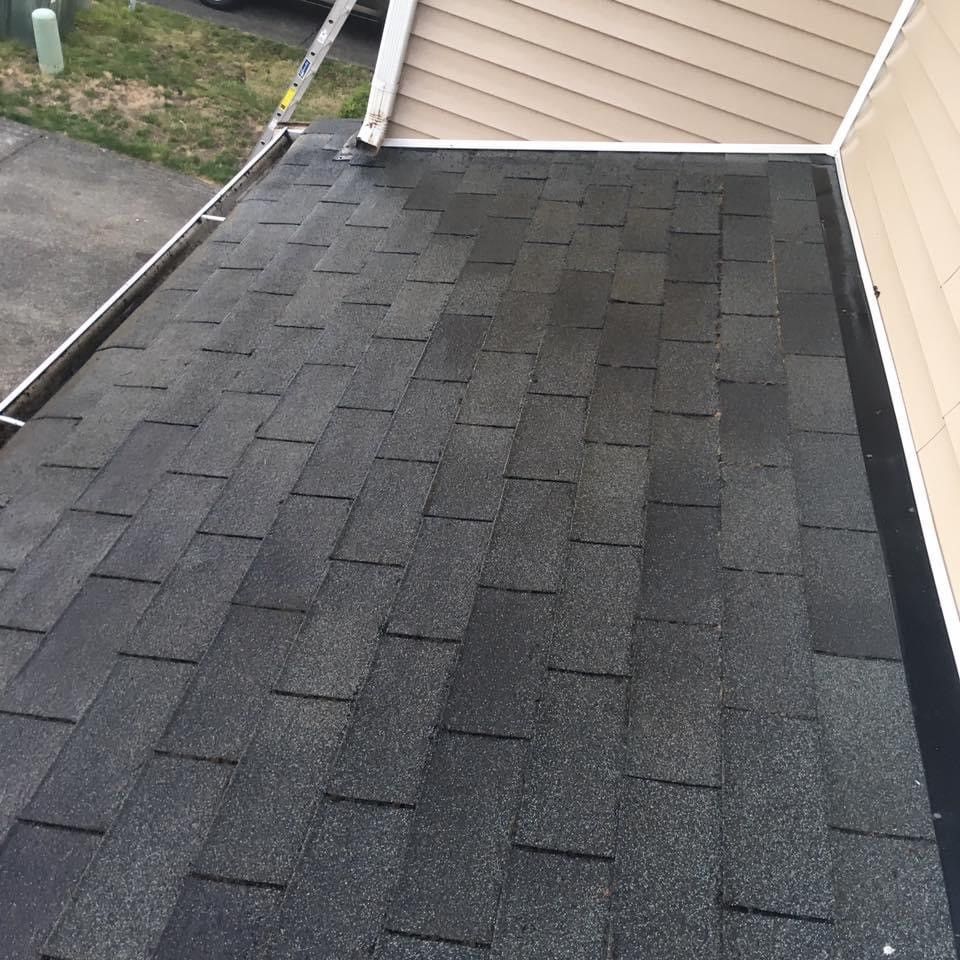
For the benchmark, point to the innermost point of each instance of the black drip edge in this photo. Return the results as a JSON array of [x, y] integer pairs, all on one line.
[[928, 658]]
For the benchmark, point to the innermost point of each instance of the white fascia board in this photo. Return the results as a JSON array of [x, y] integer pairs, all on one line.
[[613, 146]]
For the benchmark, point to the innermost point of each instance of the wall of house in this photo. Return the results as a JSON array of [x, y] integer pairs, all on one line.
[[902, 164], [725, 71]]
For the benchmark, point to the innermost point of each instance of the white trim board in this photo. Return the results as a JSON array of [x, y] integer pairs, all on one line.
[[948, 602], [613, 146], [872, 74]]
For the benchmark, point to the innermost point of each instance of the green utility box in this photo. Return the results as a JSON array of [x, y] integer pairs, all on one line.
[[15, 17]]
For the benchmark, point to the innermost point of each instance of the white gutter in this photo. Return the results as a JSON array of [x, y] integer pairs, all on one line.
[[386, 76], [614, 146]]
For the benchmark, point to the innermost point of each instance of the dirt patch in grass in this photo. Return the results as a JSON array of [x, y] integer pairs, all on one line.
[[167, 88]]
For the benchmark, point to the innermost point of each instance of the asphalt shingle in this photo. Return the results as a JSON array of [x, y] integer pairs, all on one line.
[[752, 936], [67, 672], [565, 363], [766, 644], [104, 427], [16, 648], [694, 259], [748, 289], [687, 379], [28, 747], [548, 443], [382, 375], [667, 872], [810, 325], [39, 867], [750, 350], [571, 785], [674, 729], [832, 486], [691, 312], [594, 249], [341, 460], [873, 769], [384, 521], [681, 565], [123, 902], [496, 390], [437, 592], [776, 848], [423, 421], [449, 885], [452, 349], [581, 300], [754, 427], [611, 493], [890, 897], [263, 818], [217, 716], [820, 397], [554, 907], [34, 512], [303, 413], [218, 921], [519, 323], [218, 444], [526, 550], [469, 482], [747, 238], [496, 687], [759, 524], [848, 594], [292, 559], [596, 609], [253, 494], [538, 268], [696, 213], [415, 309], [621, 406], [802, 267], [160, 532], [389, 735], [97, 766], [336, 900], [346, 335], [188, 610], [685, 455], [332, 654], [629, 337]]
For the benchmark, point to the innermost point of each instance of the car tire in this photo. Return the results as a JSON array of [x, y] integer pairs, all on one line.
[[222, 4]]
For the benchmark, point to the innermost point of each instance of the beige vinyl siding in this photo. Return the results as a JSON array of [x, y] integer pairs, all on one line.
[[687, 71], [901, 167]]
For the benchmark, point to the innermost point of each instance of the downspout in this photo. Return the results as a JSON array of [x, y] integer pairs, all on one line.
[[386, 76]]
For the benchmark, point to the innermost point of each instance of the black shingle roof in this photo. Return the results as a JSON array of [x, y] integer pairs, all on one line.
[[429, 570]]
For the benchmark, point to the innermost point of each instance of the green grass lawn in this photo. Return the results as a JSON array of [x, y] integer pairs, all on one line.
[[168, 88]]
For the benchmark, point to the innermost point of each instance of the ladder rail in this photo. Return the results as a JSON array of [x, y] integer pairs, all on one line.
[[315, 55]]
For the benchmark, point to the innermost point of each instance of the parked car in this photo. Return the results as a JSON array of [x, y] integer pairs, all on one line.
[[368, 9]]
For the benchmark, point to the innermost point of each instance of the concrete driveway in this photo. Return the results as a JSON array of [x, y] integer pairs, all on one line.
[[75, 222], [288, 21]]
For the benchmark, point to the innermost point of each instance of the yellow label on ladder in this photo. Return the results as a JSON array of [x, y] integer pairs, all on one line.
[[287, 98]]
